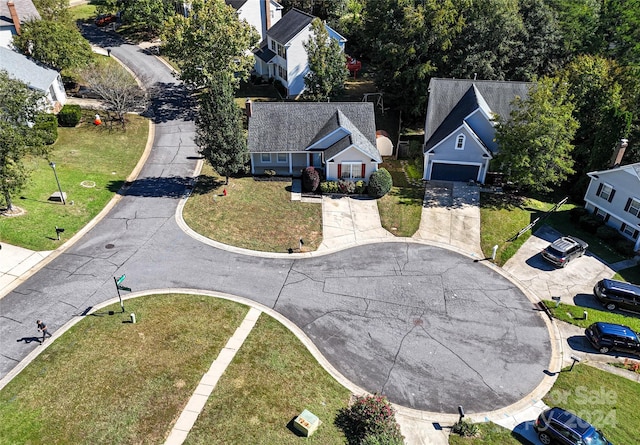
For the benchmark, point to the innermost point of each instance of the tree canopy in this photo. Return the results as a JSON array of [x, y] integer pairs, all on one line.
[[54, 10], [327, 64], [19, 137], [535, 140], [55, 44], [144, 15]]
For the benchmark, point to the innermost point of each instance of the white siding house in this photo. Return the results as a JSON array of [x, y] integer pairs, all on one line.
[[261, 14]]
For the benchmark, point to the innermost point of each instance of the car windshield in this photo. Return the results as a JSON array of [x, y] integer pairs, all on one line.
[[596, 438]]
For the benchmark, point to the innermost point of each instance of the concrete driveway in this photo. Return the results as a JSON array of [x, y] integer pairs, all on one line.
[[573, 284]]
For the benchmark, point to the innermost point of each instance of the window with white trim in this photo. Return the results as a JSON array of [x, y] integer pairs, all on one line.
[[629, 230], [282, 51], [634, 207], [282, 158], [265, 157], [282, 72], [351, 170], [460, 142], [605, 191], [601, 214], [274, 46]]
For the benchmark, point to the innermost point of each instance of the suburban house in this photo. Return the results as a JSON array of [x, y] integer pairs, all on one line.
[[614, 196], [337, 138], [459, 139], [37, 77], [282, 56], [261, 14], [12, 15]]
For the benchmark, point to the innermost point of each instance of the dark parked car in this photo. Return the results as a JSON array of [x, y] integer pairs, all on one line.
[[618, 294], [557, 425], [563, 250], [607, 337]]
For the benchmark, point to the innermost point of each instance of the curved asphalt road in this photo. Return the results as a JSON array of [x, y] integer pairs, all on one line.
[[428, 327]]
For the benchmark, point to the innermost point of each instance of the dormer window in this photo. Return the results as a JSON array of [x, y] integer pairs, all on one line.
[[460, 142]]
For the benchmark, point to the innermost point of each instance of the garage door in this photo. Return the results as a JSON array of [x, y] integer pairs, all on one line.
[[454, 172]]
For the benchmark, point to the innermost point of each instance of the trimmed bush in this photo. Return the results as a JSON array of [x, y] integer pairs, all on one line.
[[624, 247], [465, 429], [269, 172], [607, 233], [590, 223], [47, 125], [346, 187], [329, 187], [380, 183], [310, 179], [70, 115], [369, 418], [576, 213], [361, 187]]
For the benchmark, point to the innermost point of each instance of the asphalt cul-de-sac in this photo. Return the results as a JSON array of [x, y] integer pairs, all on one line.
[[428, 327]]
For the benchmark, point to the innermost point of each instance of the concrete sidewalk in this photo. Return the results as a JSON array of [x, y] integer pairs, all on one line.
[[15, 262]]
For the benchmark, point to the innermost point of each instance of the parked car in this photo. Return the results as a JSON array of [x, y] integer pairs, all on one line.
[[563, 250], [618, 294], [105, 19], [557, 425], [607, 337]]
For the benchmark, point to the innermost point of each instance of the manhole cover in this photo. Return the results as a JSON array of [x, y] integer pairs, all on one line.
[[109, 246], [88, 184]]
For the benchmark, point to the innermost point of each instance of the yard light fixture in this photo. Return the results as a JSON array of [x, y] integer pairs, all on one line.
[[53, 166]]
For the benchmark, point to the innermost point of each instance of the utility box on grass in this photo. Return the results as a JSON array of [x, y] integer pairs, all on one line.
[[307, 423]]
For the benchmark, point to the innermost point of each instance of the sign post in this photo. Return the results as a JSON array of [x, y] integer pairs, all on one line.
[[119, 287]]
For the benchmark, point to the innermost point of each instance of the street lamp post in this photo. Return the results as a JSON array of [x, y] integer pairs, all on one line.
[[53, 166]]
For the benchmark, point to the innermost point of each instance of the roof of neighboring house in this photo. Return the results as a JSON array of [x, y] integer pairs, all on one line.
[[25, 9], [236, 4], [264, 53], [451, 100], [294, 126], [289, 26], [22, 68], [632, 169]]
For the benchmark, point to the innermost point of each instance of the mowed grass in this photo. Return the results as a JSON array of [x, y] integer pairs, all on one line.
[[272, 379], [489, 434], [574, 315], [85, 154], [400, 209], [256, 215], [608, 401], [105, 381]]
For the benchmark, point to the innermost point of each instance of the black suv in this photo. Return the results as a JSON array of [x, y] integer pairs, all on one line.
[[556, 425], [607, 337], [563, 250], [618, 294]]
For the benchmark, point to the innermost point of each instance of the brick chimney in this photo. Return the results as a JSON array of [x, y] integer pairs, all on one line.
[[14, 16], [618, 153], [248, 107], [267, 14]]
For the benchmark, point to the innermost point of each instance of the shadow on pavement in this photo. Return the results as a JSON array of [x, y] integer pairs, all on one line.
[[525, 433], [158, 187], [169, 102], [28, 340], [588, 301], [580, 343], [537, 262]]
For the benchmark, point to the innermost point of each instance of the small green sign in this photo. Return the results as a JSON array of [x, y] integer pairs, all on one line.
[[124, 288], [121, 279]]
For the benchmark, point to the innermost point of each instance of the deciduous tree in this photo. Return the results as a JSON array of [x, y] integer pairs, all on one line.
[[535, 140], [148, 16], [54, 10], [19, 137], [327, 64]]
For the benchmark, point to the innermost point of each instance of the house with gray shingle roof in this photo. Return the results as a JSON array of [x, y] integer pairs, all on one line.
[[13, 13], [614, 196], [282, 55], [39, 78], [338, 138], [459, 140]]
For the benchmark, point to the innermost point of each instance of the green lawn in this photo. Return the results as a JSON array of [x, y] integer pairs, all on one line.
[[400, 209], [574, 315], [490, 434], [105, 381], [83, 12], [257, 215], [84, 156], [603, 399]]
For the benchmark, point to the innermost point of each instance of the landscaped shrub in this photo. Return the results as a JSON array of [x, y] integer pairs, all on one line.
[[607, 233], [590, 223], [280, 88], [465, 429], [310, 179], [70, 115], [269, 172], [576, 213], [361, 187], [47, 124], [624, 247], [329, 187], [380, 183], [346, 187], [369, 418]]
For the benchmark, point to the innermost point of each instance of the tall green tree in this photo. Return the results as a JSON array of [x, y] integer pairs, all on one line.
[[211, 40], [620, 30], [54, 10], [19, 137], [579, 24], [219, 133], [327, 64], [535, 139], [55, 44], [147, 16]]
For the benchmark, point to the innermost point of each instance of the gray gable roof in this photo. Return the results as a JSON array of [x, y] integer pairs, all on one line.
[[293, 126], [289, 26], [25, 9], [451, 100], [25, 70], [236, 4]]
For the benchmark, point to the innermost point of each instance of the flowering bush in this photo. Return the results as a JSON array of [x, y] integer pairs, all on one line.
[[346, 187], [310, 179], [370, 420]]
